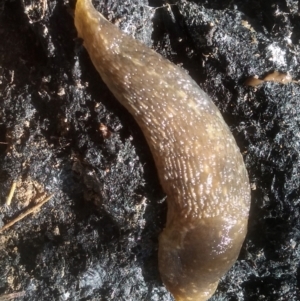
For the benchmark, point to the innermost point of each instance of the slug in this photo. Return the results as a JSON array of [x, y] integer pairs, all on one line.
[[198, 161]]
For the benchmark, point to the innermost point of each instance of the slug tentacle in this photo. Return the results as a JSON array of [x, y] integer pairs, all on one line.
[[198, 162]]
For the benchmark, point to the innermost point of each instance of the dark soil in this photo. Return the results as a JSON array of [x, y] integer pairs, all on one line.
[[63, 133]]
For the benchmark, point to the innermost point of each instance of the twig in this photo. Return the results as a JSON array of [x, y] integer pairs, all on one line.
[[11, 193], [27, 212], [11, 296]]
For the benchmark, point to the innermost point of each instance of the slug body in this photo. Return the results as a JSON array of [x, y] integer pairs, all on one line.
[[198, 162]]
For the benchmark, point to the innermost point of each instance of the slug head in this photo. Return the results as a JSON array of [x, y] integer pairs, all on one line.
[[193, 255]]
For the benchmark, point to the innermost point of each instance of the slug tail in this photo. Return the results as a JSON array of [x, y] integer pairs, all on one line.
[[86, 13]]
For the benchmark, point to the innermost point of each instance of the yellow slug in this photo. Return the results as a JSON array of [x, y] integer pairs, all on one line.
[[198, 162]]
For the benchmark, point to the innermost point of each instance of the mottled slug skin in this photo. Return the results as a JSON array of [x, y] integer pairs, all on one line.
[[198, 162]]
